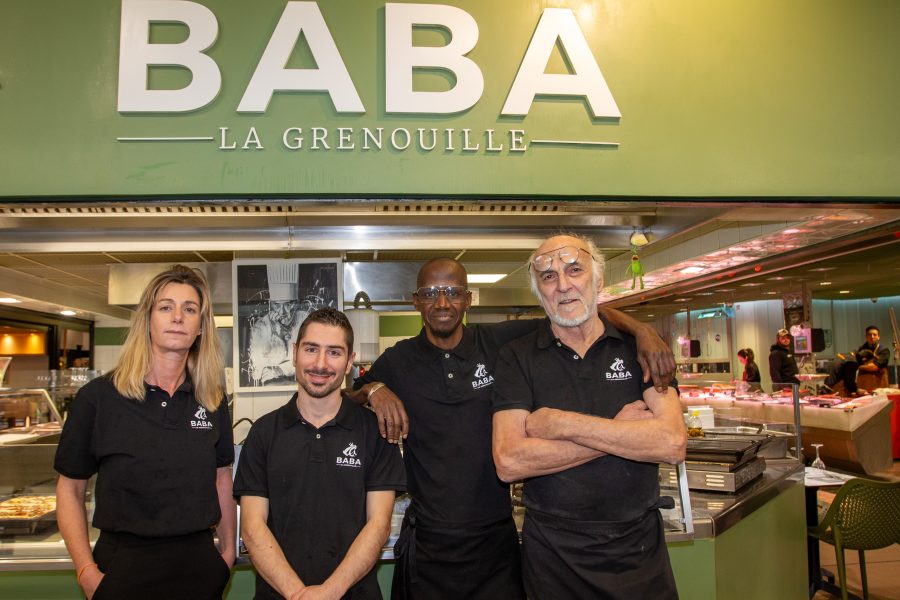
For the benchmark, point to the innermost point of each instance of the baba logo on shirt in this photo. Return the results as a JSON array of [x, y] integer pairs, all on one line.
[[349, 458], [201, 419], [617, 371], [482, 378]]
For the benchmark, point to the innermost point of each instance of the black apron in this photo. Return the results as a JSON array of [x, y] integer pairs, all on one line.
[[477, 563], [566, 559]]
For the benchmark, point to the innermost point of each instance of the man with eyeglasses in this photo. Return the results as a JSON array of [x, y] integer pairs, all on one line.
[[458, 538], [565, 406]]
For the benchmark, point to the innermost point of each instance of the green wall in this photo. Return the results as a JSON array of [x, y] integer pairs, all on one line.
[[738, 98]]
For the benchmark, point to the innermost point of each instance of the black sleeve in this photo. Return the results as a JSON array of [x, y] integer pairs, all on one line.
[[752, 373], [251, 476], [774, 367], [225, 444], [75, 456], [882, 358], [512, 386], [386, 471], [379, 371], [507, 331]]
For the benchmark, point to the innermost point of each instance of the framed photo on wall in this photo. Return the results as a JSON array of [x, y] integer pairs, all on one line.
[[271, 300]]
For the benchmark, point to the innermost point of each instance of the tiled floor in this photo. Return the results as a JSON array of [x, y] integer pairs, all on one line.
[[882, 566]]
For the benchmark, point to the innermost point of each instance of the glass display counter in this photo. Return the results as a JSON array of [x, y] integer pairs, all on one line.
[[855, 433], [28, 416]]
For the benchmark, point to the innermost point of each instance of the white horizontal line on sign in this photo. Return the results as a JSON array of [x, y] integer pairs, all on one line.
[[164, 139], [574, 142]]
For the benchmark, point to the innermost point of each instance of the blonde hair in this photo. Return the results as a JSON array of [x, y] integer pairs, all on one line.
[[204, 363]]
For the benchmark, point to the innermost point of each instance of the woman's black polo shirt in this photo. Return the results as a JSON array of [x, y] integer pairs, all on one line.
[[316, 482], [155, 460], [537, 371]]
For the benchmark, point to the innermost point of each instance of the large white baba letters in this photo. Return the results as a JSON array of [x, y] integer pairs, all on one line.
[[587, 81], [137, 54], [401, 57], [330, 76]]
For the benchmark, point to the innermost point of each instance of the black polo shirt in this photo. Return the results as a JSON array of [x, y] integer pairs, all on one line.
[[538, 371], [316, 481], [155, 460], [447, 395]]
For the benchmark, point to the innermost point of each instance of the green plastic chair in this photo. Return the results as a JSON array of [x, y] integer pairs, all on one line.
[[865, 515]]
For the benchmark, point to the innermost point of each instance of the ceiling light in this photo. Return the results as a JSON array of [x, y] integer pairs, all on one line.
[[691, 270], [9, 301], [68, 313], [823, 269], [703, 293], [751, 284], [682, 299], [724, 290], [486, 277], [638, 238], [771, 293], [775, 278], [844, 292], [824, 283], [651, 315], [791, 231]]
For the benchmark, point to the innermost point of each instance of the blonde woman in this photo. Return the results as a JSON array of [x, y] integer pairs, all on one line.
[[157, 434]]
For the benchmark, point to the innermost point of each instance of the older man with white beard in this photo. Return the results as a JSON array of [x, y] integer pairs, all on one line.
[[573, 418]]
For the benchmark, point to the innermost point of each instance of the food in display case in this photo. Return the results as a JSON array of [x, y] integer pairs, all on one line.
[[27, 507], [27, 416]]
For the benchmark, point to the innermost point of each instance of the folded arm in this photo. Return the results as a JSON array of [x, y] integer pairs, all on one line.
[[518, 456], [660, 438], [266, 554], [363, 553]]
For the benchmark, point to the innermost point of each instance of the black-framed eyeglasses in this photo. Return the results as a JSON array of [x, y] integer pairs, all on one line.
[[453, 293], [566, 255]]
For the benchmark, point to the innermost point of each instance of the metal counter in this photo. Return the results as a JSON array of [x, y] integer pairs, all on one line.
[[713, 513], [716, 512]]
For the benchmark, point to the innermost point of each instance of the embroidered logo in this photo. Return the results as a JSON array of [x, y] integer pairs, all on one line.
[[482, 378], [617, 371], [201, 419], [349, 458]]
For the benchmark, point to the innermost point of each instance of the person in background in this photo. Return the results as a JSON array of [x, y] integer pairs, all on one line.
[[458, 538], [868, 379], [157, 433], [562, 404], [842, 376], [751, 370], [316, 480], [874, 372], [782, 366]]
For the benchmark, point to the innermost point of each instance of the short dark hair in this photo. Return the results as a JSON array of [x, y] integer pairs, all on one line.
[[870, 328], [328, 316]]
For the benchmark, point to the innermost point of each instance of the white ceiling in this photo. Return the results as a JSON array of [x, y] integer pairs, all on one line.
[[57, 255]]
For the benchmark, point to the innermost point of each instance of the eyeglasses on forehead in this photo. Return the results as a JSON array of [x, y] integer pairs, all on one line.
[[431, 293], [566, 255]]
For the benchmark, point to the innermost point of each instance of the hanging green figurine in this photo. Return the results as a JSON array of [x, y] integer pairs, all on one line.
[[636, 268]]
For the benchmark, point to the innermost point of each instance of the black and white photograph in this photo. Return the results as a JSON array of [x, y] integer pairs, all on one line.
[[271, 300]]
